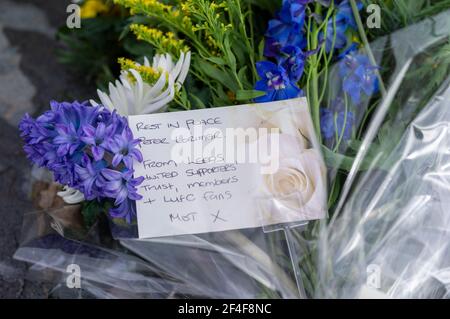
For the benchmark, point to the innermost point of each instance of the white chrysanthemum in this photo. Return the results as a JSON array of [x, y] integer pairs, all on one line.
[[133, 97]]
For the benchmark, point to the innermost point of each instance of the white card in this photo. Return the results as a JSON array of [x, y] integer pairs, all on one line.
[[228, 168]]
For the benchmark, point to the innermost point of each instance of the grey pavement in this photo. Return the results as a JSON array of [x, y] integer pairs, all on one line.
[[30, 77]]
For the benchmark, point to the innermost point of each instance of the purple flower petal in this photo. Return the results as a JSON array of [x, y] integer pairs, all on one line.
[[97, 152], [117, 159]]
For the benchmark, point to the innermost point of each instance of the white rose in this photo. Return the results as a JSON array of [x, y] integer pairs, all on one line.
[[298, 187]]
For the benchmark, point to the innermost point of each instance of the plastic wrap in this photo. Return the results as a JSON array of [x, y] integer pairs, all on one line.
[[391, 217], [389, 237], [396, 221], [217, 265]]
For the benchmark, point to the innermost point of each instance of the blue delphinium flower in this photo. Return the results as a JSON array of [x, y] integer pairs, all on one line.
[[286, 28], [327, 123], [344, 123], [335, 41], [293, 61], [275, 82], [285, 41], [345, 13], [72, 140], [336, 121], [338, 26], [354, 46], [358, 76]]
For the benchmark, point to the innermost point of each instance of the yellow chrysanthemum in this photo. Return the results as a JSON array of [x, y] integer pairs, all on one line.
[[148, 74]]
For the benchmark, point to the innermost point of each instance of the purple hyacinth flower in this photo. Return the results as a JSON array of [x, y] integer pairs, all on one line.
[[77, 114], [124, 148], [67, 139], [35, 154], [90, 176], [125, 210], [275, 82], [97, 138], [72, 140], [121, 185], [35, 131]]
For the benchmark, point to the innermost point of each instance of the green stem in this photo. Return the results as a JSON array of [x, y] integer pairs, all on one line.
[[178, 101], [314, 84], [329, 56], [333, 189], [366, 116], [243, 29], [362, 34], [344, 125], [252, 40]]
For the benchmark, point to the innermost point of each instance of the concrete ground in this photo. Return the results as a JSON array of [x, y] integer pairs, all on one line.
[[30, 77]]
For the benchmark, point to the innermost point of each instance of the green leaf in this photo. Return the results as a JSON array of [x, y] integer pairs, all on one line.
[[216, 60], [240, 51], [230, 54], [197, 102], [261, 50], [242, 75], [242, 95], [337, 160], [335, 190], [91, 210], [220, 98], [219, 75]]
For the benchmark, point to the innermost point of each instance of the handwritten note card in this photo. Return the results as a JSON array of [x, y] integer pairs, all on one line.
[[228, 168]]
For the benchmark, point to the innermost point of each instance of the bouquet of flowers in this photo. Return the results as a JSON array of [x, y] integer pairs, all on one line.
[[377, 98]]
